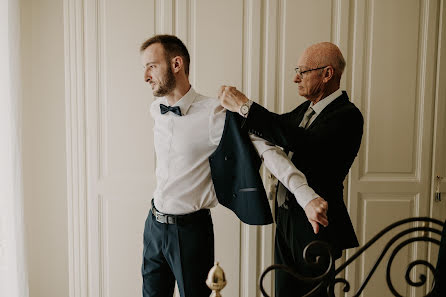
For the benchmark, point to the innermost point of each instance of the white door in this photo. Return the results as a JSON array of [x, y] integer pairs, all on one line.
[[438, 204], [438, 177], [394, 59]]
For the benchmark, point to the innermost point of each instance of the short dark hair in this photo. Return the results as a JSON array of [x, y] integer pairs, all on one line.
[[173, 47]]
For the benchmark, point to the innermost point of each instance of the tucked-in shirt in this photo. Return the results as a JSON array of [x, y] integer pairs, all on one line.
[[183, 145]]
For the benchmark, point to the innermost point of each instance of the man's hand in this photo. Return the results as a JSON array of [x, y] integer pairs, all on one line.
[[316, 211], [231, 98]]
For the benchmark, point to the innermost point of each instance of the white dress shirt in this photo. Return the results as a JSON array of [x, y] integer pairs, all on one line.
[[183, 145], [280, 165]]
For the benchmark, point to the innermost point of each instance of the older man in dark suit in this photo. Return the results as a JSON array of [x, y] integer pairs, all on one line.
[[324, 133]]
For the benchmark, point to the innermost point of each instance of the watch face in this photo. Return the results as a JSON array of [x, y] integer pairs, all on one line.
[[244, 109]]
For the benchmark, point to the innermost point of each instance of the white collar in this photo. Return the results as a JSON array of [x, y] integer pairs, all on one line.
[[185, 102], [319, 106]]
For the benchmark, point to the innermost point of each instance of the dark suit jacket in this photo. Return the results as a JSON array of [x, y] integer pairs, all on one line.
[[235, 173], [324, 152], [440, 271]]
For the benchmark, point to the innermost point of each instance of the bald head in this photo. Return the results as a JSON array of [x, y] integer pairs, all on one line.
[[325, 54], [319, 71]]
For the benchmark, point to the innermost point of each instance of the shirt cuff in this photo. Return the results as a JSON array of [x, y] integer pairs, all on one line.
[[304, 194]]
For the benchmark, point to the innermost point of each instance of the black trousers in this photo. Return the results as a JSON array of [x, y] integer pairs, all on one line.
[[293, 233], [183, 251]]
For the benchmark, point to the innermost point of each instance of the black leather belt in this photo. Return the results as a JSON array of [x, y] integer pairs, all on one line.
[[179, 219]]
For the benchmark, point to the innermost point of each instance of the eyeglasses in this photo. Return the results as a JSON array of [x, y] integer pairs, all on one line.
[[301, 73]]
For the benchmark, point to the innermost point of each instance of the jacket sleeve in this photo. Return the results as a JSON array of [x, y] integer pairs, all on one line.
[[341, 128], [278, 129]]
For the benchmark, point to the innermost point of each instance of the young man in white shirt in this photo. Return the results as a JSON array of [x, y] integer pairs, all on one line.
[[178, 236]]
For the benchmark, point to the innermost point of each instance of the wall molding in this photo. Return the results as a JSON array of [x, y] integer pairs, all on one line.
[[76, 146], [411, 199], [165, 22], [422, 92], [270, 40], [85, 90], [249, 248]]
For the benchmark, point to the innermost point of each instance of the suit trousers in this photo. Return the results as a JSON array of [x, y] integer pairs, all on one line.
[[293, 233], [183, 251]]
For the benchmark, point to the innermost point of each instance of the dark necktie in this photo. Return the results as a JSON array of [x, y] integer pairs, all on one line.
[[175, 109]]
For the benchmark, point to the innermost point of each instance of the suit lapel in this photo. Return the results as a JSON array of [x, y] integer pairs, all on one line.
[[301, 111], [341, 100]]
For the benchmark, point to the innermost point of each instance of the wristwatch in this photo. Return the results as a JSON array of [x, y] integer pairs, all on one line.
[[244, 109]]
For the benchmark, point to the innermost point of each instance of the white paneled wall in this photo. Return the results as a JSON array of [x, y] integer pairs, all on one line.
[[393, 81], [393, 53]]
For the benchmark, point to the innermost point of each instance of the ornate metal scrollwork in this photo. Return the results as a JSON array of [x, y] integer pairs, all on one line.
[[327, 280]]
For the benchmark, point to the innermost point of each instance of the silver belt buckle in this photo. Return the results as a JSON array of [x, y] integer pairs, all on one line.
[[156, 214], [164, 218]]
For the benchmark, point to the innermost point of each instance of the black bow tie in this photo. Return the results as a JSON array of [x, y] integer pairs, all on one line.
[[175, 109]]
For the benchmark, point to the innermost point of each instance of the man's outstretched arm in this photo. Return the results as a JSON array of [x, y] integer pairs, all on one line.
[[294, 180], [278, 129]]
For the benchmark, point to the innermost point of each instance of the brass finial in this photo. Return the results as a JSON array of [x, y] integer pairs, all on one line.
[[216, 280]]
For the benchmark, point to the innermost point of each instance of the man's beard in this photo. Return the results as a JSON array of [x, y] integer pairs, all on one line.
[[166, 85]]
